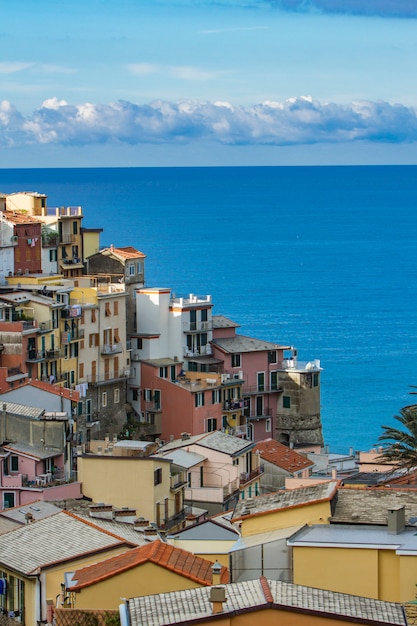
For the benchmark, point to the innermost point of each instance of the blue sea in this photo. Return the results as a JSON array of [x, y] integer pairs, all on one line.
[[322, 258]]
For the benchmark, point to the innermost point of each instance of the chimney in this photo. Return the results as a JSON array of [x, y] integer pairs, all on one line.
[[334, 473], [216, 571], [217, 598], [396, 520]]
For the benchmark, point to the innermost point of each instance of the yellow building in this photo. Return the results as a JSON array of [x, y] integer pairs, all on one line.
[[148, 490], [284, 509], [35, 557], [377, 562], [154, 568]]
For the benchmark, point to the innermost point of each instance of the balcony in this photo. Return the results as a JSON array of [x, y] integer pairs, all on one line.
[[72, 335], [35, 356], [233, 405], [107, 377], [66, 239], [71, 312], [260, 389], [197, 327], [197, 351], [45, 327], [111, 348], [248, 477], [54, 354], [14, 374], [178, 481]]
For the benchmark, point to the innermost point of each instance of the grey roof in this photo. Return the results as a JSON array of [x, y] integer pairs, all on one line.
[[208, 530], [240, 343], [216, 440], [221, 321], [182, 607], [361, 536], [38, 509], [264, 538], [40, 452], [162, 362], [133, 444], [20, 409], [222, 442], [285, 499], [55, 538], [121, 529], [370, 506], [6, 525], [185, 459]]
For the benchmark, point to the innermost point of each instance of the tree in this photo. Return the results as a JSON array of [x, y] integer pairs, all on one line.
[[401, 449]]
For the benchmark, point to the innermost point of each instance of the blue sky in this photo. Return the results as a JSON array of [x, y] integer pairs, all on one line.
[[207, 82]]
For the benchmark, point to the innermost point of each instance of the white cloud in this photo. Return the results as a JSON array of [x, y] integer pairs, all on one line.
[[11, 67], [297, 121], [142, 69]]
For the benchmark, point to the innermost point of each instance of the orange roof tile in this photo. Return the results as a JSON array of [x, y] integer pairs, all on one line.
[[69, 394], [282, 456], [174, 559], [129, 252], [14, 217]]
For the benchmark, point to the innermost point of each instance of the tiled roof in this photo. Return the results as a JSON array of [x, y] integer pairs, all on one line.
[[121, 529], [129, 252], [286, 458], [285, 500], [36, 452], [57, 538], [176, 560], [370, 506], [15, 217], [183, 607], [69, 394], [220, 321], [12, 408], [240, 343], [185, 459], [38, 509], [207, 530], [222, 442]]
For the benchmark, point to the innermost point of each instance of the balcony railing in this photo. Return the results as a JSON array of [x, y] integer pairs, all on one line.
[[197, 351], [53, 354], [188, 327], [260, 389], [107, 377], [67, 238], [36, 355], [45, 327], [247, 477], [111, 348]]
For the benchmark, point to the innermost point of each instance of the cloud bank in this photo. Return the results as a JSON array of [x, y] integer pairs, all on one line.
[[381, 8], [297, 121]]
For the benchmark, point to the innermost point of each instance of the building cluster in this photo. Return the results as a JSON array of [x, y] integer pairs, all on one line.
[[151, 452]]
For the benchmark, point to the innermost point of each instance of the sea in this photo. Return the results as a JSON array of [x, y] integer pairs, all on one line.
[[320, 258]]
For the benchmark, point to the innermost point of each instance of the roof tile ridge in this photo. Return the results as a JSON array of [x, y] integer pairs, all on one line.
[[92, 525], [266, 590]]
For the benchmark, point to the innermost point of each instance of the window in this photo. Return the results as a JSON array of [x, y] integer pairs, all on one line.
[[116, 307], [274, 381], [8, 500], [139, 343], [75, 228], [272, 356], [199, 399], [116, 396], [140, 267], [81, 370], [204, 315], [157, 399], [75, 251], [148, 395], [157, 476], [286, 402], [315, 380], [53, 255], [261, 381], [116, 336], [88, 412], [131, 270], [211, 424], [93, 316], [135, 395], [216, 396], [79, 408], [107, 311], [236, 360], [268, 425], [14, 463], [104, 399]]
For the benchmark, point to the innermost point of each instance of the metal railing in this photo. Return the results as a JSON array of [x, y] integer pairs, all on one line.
[[111, 348]]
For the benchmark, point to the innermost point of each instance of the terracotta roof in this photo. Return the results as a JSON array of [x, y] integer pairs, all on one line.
[[176, 560], [282, 456], [14, 217], [127, 253], [69, 394]]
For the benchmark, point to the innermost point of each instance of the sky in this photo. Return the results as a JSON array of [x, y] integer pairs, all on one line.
[[107, 83]]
